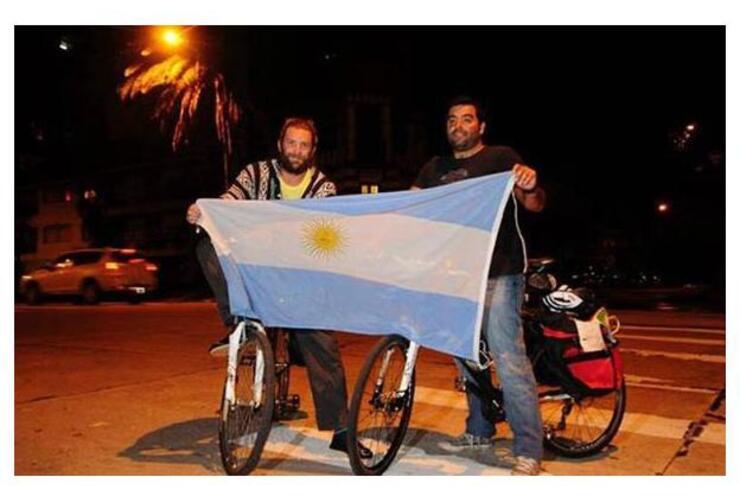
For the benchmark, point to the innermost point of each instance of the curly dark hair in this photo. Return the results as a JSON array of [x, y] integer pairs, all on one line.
[[465, 100]]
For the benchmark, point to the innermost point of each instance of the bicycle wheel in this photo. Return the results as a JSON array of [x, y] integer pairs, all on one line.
[[581, 427], [245, 424], [379, 415]]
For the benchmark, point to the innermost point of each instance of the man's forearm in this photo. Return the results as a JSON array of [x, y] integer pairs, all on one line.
[[533, 201]]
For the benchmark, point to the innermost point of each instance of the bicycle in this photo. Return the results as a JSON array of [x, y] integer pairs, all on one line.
[[576, 422], [255, 394]]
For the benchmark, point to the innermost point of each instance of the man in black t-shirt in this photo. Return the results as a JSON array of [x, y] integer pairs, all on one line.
[[502, 322]]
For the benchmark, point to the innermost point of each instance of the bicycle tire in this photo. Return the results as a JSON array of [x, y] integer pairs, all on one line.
[[245, 426], [369, 400], [566, 439]]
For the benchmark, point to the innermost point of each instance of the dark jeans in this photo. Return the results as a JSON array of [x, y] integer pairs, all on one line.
[[319, 349]]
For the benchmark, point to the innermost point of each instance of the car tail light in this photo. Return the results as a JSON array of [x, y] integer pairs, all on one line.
[[112, 266], [151, 267]]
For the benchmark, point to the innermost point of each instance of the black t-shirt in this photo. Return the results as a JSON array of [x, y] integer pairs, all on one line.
[[508, 255]]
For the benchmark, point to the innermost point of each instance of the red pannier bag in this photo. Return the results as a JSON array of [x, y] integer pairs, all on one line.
[[601, 370], [586, 373]]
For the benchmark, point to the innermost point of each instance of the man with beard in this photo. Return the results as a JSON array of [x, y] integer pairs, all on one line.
[[292, 175], [502, 325]]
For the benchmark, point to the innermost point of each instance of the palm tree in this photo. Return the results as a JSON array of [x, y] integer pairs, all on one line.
[[178, 82]]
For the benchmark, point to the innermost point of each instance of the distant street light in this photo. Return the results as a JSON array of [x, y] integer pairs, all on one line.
[[663, 208], [683, 137]]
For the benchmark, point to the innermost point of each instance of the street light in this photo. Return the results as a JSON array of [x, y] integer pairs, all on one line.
[[172, 37], [178, 76], [663, 208]]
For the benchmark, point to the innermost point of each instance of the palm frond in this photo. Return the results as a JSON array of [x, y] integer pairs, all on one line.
[[178, 84]]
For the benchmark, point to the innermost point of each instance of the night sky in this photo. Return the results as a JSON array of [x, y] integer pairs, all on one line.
[[591, 108]]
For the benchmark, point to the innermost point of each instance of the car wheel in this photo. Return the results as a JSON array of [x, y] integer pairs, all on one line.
[[90, 292], [32, 294]]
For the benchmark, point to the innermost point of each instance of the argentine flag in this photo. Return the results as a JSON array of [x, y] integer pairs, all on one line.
[[413, 263]]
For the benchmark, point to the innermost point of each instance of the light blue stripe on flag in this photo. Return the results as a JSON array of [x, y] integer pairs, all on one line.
[[317, 300], [408, 263]]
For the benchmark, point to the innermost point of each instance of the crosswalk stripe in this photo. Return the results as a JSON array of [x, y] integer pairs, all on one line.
[[685, 356], [669, 428], [696, 390], [672, 329], [636, 423], [677, 340]]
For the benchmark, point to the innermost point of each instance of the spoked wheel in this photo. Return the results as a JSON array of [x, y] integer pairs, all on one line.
[[379, 414], [245, 424], [581, 427]]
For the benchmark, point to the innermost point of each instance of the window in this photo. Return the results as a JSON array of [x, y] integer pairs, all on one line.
[[65, 257], [126, 256], [57, 233], [63, 261], [82, 258]]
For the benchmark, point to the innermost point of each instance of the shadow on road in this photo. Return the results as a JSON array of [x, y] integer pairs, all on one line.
[[430, 444], [500, 455], [194, 442], [301, 451]]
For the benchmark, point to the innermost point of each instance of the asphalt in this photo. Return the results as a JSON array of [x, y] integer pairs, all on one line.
[[130, 390]]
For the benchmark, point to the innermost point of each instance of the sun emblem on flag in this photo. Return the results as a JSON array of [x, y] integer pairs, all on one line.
[[324, 238]]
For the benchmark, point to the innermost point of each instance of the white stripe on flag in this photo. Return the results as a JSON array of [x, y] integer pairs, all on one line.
[[384, 248]]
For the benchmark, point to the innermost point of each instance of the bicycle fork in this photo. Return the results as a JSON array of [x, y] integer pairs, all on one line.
[[235, 341], [408, 370], [408, 367]]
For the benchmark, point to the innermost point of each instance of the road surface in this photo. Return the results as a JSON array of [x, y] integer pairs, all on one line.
[[123, 389]]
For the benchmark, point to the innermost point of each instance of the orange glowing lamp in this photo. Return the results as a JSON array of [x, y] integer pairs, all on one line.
[[172, 37]]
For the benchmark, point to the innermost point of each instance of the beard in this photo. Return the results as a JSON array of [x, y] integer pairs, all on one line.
[[288, 166], [463, 141]]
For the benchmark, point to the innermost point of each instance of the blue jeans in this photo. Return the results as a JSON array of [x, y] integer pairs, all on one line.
[[502, 327]]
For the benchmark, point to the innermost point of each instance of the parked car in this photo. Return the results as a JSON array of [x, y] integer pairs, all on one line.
[[92, 273]]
